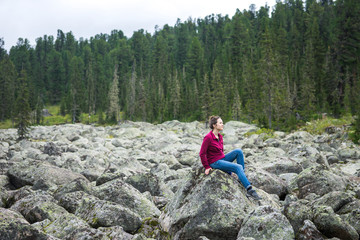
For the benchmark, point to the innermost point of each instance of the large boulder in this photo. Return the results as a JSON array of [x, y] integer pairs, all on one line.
[[100, 213], [211, 205], [309, 232], [145, 182], [268, 182], [336, 200], [13, 226], [331, 224], [38, 206], [265, 222], [120, 192], [297, 212], [41, 174], [319, 181], [63, 227], [101, 233]]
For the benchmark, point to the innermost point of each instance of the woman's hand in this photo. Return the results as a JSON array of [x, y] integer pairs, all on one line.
[[207, 171]]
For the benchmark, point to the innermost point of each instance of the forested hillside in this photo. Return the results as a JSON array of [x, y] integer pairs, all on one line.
[[272, 67]]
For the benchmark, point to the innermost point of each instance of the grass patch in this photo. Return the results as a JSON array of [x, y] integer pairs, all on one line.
[[6, 124], [317, 127], [266, 132]]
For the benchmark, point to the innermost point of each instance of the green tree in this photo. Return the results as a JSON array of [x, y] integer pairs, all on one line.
[[77, 91], [7, 88], [131, 99], [113, 111], [175, 96], [22, 107], [236, 108]]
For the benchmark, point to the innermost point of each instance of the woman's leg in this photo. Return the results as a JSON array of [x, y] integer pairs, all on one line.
[[227, 166], [235, 154]]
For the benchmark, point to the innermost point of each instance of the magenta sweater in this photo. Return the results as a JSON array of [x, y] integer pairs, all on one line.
[[212, 149]]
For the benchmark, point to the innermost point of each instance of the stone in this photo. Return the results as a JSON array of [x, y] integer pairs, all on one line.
[[265, 222], [14, 227], [297, 212], [309, 232], [145, 182], [100, 213], [63, 226], [318, 180], [120, 192], [38, 206], [331, 225], [268, 182], [336, 200], [29, 173], [211, 205]]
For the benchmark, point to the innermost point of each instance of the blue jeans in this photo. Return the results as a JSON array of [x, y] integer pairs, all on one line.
[[226, 164]]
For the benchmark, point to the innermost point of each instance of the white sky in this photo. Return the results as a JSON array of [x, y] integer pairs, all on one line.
[[85, 18]]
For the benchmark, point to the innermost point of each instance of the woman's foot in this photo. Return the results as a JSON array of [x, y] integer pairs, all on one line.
[[251, 193]]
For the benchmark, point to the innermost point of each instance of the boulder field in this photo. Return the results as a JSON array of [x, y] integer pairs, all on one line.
[[141, 181]]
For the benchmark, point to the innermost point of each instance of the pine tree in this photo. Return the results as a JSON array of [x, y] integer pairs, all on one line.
[[22, 107], [7, 88], [236, 108], [205, 105], [114, 108], [131, 99], [77, 88], [175, 96]]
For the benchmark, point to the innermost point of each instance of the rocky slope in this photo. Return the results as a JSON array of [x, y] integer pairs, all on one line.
[[143, 181]]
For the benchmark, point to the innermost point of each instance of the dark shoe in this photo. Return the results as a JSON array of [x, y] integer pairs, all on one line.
[[252, 194]]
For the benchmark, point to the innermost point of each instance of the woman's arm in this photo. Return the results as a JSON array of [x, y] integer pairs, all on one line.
[[203, 150]]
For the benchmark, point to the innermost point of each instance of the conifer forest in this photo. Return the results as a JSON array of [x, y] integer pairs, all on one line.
[[272, 66]]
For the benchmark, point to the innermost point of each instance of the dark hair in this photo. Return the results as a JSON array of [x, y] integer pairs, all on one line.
[[213, 120]]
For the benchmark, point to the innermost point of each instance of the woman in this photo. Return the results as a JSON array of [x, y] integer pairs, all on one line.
[[213, 157]]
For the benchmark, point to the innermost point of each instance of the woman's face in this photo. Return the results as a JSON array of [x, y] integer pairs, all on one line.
[[219, 125]]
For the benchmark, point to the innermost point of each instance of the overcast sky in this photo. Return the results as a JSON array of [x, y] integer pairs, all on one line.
[[85, 18]]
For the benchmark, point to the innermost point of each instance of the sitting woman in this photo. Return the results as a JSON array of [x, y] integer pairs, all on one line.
[[213, 157]]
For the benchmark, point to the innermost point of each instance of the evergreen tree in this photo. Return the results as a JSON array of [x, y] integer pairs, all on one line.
[[22, 107], [131, 99], [113, 111], [7, 88], [77, 88], [2, 49], [236, 108], [175, 96]]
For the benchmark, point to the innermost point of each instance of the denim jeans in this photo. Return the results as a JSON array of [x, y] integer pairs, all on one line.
[[226, 164]]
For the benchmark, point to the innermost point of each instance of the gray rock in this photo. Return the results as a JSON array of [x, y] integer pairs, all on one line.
[[63, 226], [38, 206], [102, 233], [5, 183], [336, 200], [266, 222], [4, 196], [319, 181], [145, 182], [29, 173], [78, 184], [296, 212], [99, 213], [268, 182], [211, 205], [353, 218], [346, 154], [71, 201], [331, 225], [14, 227], [108, 176], [309, 232], [126, 195], [52, 149]]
